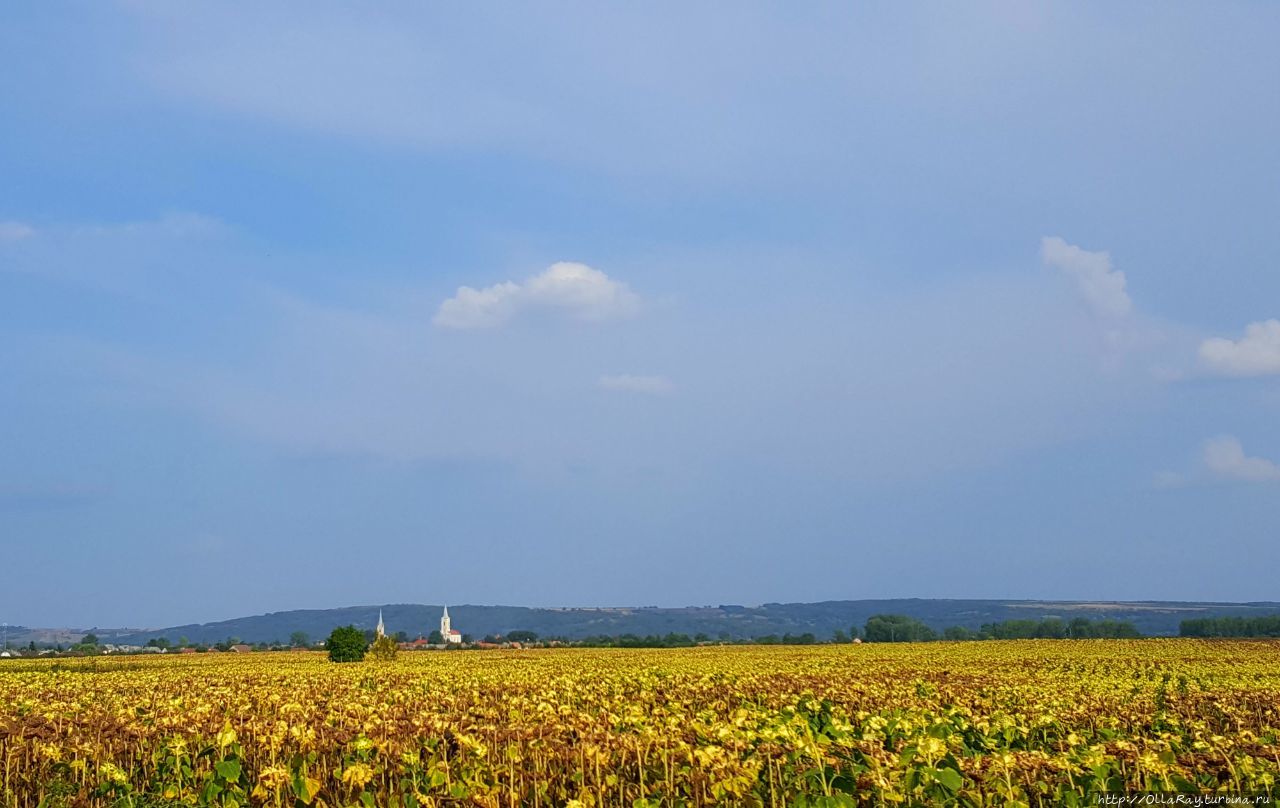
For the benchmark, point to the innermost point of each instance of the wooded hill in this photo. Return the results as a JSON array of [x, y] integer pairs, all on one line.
[[716, 622]]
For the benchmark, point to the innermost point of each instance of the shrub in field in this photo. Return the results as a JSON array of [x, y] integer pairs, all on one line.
[[383, 649]]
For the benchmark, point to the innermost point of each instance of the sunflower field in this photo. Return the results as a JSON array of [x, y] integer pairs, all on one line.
[[1037, 722]]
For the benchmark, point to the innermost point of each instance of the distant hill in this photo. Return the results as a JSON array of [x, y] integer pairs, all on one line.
[[731, 622], [21, 635]]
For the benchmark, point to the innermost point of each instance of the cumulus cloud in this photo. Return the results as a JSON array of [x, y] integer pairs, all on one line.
[[575, 290], [648, 385], [15, 231], [1257, 353], [1101, 285], [1225, 457]]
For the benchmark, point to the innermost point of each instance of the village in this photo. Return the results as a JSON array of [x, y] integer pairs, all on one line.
[[449, 637], [446, 637]]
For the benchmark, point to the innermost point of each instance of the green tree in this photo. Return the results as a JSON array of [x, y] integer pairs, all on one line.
[[807, 638], [89, 639], [897, 628], [346, 644], [522, 636], [435, 638], [299, 639]]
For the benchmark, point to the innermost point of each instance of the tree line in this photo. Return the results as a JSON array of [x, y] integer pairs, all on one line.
[[888, 628], [1268, 626], [900, 628], [352, 641]]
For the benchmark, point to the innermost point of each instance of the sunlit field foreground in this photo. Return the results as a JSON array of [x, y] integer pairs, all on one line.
[[980, 723]]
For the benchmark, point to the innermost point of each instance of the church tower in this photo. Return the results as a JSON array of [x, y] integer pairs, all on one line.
[[444, 624], [380, 631]]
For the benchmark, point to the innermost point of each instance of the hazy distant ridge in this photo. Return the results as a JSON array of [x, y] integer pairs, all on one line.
[[1151, 617]]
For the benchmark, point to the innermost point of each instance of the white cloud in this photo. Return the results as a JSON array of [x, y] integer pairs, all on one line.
[[649, 385], [570, 288], [1255, 354], [1225, 457], [1101, 285], [480, 308], [15, 231]]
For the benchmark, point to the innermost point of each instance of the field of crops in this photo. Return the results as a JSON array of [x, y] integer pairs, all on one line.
[[980, 723]]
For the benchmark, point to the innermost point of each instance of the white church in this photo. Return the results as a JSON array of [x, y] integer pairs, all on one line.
[[446, 630]]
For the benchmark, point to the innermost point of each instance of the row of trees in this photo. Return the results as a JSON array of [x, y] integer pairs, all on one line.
[[670, 640], [350, 644], [887, 628], [676, 640], [878, 628], [1052, 628], [1268, 626], [511, 636], [897, 628], [900, 628]]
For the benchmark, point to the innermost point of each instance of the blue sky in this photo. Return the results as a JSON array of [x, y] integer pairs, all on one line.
[[599, 305]]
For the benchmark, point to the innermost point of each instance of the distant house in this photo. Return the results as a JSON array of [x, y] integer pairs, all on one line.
[[186, 650], [241, 648], [415, 645]]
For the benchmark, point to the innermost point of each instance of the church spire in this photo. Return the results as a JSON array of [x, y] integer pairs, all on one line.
[[380, 630]]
